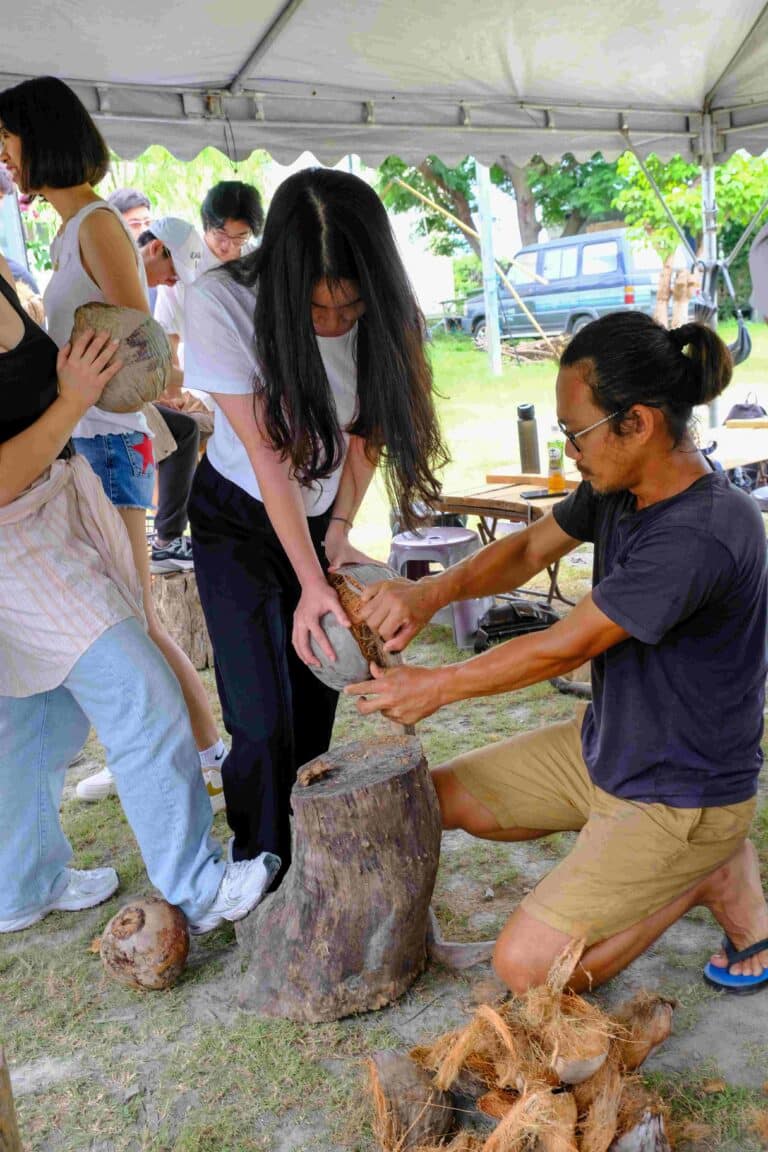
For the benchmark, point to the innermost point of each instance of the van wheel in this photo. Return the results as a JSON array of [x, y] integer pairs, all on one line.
[[479, 331], [579, 323]]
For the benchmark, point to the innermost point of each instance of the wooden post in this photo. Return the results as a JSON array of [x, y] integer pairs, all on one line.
[[346, 930], [178, 606], [10, 1141]]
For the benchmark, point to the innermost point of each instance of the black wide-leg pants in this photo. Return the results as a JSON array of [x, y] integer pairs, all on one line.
[[277, 712]]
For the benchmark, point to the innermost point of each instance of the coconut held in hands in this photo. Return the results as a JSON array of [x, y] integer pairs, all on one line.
[[143, 350], [357, 647], [145, 945]]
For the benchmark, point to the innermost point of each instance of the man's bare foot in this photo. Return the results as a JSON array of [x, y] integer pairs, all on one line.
[[734, 896]]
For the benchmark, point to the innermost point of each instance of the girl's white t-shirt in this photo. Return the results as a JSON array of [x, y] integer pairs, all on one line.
[[68, 288], [220, 357]]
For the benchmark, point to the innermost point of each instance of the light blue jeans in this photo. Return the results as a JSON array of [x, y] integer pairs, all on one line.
[[124, 687]]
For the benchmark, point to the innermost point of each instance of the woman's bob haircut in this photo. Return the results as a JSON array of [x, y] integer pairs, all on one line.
[[61, 146]]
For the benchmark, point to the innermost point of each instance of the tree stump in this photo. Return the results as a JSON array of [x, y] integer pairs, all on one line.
[[178, 606], [346, 930], [10, 1141]]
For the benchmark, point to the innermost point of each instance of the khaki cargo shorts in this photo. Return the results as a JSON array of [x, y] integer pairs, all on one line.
[[629, 859]]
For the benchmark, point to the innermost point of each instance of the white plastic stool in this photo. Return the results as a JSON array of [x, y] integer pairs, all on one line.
[[443, 546]]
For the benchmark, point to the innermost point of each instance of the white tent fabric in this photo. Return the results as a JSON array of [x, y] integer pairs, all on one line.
[[378, 77]]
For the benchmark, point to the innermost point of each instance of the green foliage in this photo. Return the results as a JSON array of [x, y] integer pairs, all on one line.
[[573, 191], [739, 187], [452, 188], [40, 222], [467, 275], [175, 187]]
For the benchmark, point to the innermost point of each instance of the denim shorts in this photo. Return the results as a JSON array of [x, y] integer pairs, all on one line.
[[125, 465]]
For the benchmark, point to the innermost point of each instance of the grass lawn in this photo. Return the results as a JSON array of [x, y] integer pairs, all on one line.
[[101, 1068]]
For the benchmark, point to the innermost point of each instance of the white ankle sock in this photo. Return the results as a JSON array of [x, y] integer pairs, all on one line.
[[213, 756]]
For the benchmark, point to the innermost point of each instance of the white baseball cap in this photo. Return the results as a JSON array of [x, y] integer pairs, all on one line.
[[184, 244]]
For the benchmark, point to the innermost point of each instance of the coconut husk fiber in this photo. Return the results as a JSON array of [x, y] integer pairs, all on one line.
[[357, 647], [513, 1064], [409, 1111], [143, 349]]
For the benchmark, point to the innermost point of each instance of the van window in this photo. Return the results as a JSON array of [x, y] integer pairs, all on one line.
[[596, 259], [560, 263], [524, 268]]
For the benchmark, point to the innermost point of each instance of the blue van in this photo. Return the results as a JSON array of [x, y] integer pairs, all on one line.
[[566, 283]]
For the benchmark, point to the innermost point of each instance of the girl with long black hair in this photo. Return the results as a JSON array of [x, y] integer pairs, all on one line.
[[312, 349]]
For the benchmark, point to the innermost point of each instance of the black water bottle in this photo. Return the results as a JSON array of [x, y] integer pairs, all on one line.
[[528, 438]]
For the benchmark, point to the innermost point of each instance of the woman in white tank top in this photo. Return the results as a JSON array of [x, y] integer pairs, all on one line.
[[51, 147]]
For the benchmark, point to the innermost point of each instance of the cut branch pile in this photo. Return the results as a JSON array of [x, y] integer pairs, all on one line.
[[545, 1072], [531, 351]]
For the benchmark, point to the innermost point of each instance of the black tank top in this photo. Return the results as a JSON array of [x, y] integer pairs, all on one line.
[[28, 381]]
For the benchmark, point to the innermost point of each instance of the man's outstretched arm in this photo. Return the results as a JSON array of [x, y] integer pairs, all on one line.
[[399, 609], [407, 694]]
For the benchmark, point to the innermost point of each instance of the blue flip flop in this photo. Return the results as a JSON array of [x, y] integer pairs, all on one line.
[[723, 979]]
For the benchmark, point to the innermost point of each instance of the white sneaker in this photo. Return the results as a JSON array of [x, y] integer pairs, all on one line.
[[242, 887], [83, 890], [215, 788], [96, 787]]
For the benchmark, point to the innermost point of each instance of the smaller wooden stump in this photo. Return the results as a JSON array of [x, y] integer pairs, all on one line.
[[346, 930], [10, 1141], [178, 606]]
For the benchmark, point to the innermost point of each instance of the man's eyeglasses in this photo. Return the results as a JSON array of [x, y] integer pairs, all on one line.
[[574, 437]]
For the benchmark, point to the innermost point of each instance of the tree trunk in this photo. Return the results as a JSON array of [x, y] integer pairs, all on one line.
[[574, 223], [686, 283], [663, 293], [346, 930], [10, 1141], [178, 606], [458, 202], [526, 205]]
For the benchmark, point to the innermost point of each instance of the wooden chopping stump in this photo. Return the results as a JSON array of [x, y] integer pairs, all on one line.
[[346, 930], [178, 606]]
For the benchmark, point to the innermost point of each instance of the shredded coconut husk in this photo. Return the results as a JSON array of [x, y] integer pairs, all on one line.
[[462, 1142], [496, 1103], [645, 1021], [598, 1100], [408, 1109], [540, 1119], [637, 1103], [552, 1069]]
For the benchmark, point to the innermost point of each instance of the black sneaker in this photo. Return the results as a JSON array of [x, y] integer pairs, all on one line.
[[175, 556]]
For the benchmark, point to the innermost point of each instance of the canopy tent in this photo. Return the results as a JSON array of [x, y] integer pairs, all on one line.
[[377, 77]]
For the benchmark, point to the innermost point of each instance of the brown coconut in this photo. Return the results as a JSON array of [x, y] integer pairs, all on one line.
[[145, 945], [409, 1111], [143, 350], [357, 647]]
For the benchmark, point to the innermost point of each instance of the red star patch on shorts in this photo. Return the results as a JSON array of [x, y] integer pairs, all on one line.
[[144, 449]]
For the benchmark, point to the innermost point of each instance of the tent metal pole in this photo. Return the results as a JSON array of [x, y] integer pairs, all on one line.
[[746, 234], [490, 283], [709, 232], [288, 10]]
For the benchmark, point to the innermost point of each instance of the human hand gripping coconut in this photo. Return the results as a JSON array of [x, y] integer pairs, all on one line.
[[358, 646]]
